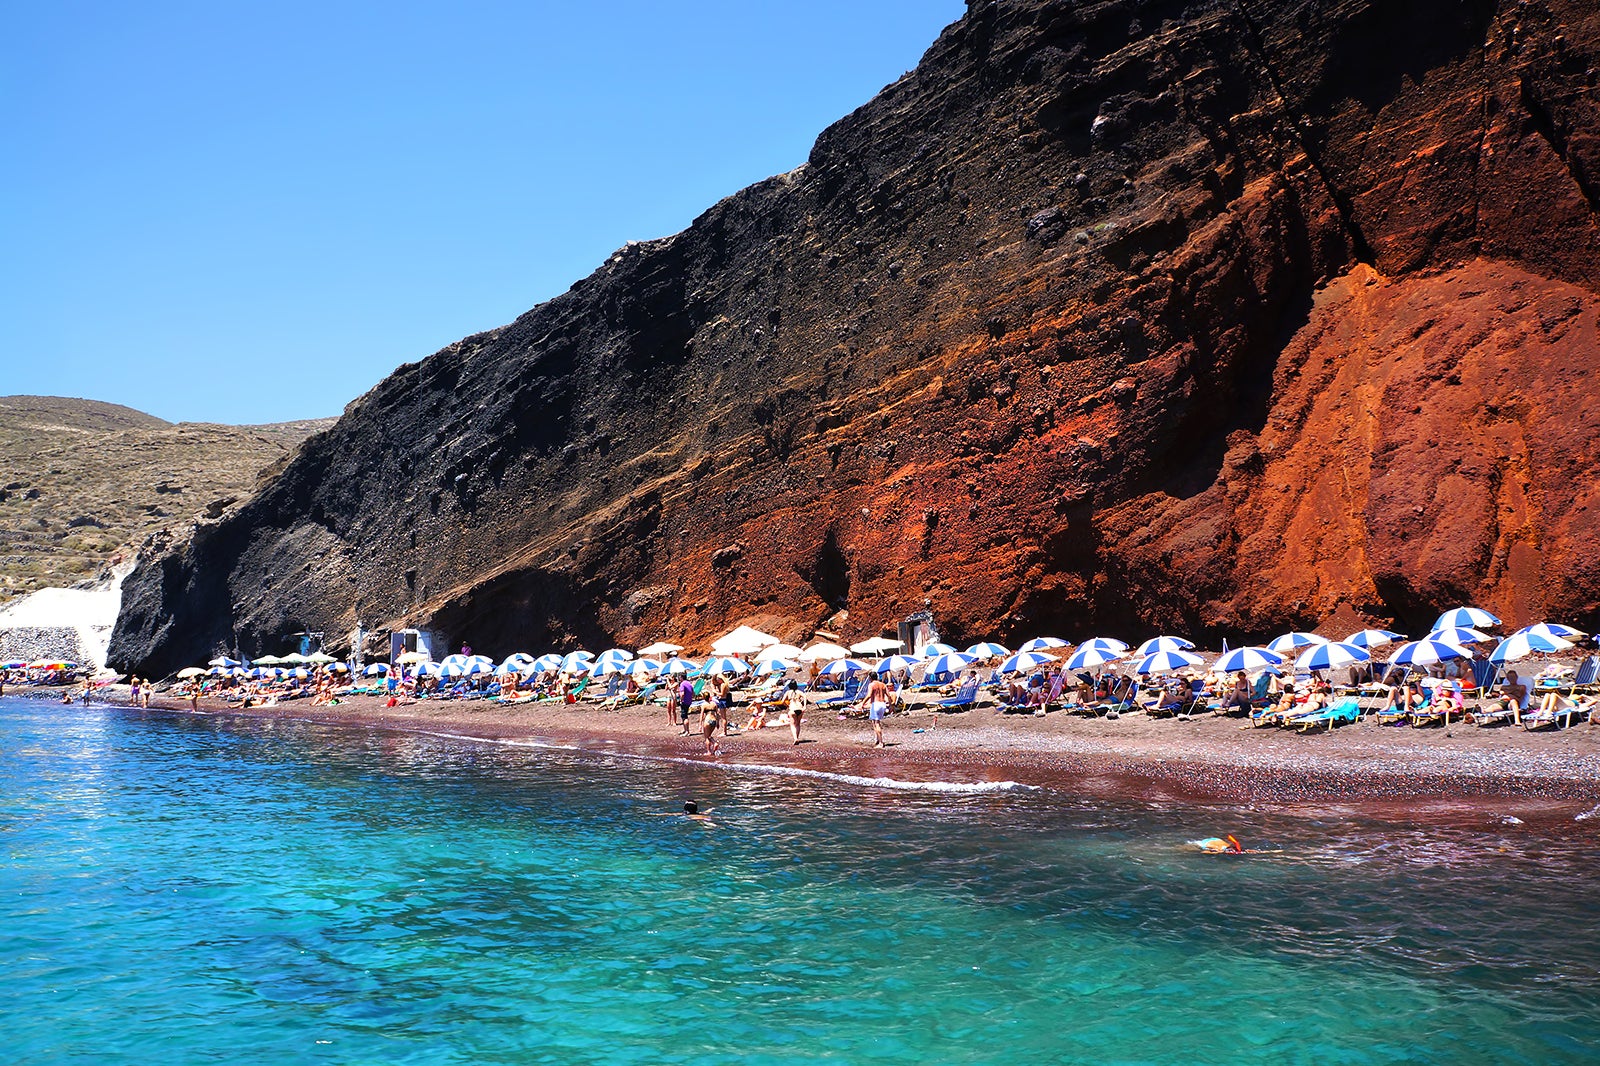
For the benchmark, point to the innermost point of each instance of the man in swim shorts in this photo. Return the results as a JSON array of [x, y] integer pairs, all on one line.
[[877, 701]]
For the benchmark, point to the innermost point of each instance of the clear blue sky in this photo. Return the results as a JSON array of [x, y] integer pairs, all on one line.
[[250, 212]]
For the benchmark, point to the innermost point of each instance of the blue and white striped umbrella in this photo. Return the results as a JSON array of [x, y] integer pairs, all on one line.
[[642, 668], [1292, 642], [518, 660], [576, 662], [1458, 635], [1332, 655], [1043, 644], [1024, 661], [427, 670], [613, 657], [1106, 644], [988, 649], [1469, 617], [949, 663], [1521, 645], [928, 651], [1093, 655], [897, 662], [1155, 644], [1427, 652], [300, 673], [678, 667], [725, 664], [1553, 629], [1373, 638], [376, 670], [544, 663], [1166, 661], [768, 667], [1248, 659], [844, 668]]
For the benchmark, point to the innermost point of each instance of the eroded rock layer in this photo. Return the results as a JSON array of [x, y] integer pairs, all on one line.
[[1212, 316]]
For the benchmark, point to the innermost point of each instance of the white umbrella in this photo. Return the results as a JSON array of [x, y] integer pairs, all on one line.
[[742, 641], [823, 652], [777, 651], [660, 647], [875, 646]]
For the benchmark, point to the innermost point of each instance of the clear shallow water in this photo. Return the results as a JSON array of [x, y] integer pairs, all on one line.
[[183, 889]]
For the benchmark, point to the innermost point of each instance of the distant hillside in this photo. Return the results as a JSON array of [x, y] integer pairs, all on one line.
[[81, 480]]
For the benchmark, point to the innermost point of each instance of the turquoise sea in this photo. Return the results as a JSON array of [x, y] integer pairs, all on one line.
[[183, 889]]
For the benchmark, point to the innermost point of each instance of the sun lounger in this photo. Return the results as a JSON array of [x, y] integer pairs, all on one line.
[[1345, 710], [965, 699], [1561, 715], [851, 693]]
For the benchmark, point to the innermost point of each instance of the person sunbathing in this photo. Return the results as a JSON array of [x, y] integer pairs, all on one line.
[[1171, 700]]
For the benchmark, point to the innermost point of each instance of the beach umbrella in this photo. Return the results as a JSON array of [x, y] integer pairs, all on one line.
[[300, 673], [340, 668], [1106, 644], [1458, 635], [988, 649], [1293, 642], [768, 667], [679, 667], [1023, 661], [776, 651], [875, 646], [1470, 617], [518, 659], [185, 674], [1248, 659], [576, 662], [377, 670], [1331, 656], [1043, 644], [952, 662], [824, 652], [427, 669], [1521, 645], [725, 664], [223, 660], [1167, 661], [897, 662], [928, 651], [1155, 644], [405, 658], [610, 662], [268, 660], [1372, 638], [660, 647], [1427, 652], [642, 668], [1553, 629], [1092, 656], [742, 641], [321, 658], [844, 667], [294, 657], [544, 663]]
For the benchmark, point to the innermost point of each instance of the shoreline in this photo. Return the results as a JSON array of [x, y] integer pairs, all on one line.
[[1403, 771]]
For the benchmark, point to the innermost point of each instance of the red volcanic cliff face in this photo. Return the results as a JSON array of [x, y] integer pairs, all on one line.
[[1123, 315]]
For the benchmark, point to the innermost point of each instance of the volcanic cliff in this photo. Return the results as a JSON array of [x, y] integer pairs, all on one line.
[[1204, 316]]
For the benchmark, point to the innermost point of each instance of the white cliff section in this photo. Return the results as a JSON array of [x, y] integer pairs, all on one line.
[[73, 624]]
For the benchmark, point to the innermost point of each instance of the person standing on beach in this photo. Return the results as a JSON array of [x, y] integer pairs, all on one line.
[[708, 725], [722, 699], [877, 701], [797, 709], [685, 702]]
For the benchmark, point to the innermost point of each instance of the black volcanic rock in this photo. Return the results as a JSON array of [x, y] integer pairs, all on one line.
[[1040, 288]]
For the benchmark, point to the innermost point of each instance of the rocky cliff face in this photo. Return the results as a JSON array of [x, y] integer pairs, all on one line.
[[1210, 316]]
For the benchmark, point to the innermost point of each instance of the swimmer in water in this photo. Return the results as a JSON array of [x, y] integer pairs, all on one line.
[[1229, 845]]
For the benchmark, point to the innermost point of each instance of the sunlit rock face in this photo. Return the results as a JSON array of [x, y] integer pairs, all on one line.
[[1127, 315]]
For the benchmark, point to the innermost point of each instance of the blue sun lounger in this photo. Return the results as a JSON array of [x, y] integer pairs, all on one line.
[[1346, 710], [965, 697]]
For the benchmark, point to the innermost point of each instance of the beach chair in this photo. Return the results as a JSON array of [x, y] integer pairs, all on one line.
[[1561, 715], [1345, 710], [964, 699], [851, 693], [1585, 677]]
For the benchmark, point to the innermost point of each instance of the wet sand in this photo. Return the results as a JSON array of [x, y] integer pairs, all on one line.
[[1205, 759]]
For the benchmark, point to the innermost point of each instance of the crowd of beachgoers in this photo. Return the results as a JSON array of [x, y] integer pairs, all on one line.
[[1458, 672]]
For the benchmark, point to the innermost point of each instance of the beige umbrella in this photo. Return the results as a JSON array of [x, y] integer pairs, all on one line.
[[321, 658], [190, 671], [410, 658]]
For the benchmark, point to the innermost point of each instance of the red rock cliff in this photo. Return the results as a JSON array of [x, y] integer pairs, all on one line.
[[1124, 315]]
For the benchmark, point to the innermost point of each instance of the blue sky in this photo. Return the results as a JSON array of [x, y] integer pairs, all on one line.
[[250, 212]]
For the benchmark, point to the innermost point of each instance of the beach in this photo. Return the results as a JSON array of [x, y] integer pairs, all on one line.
[[1208, 758]]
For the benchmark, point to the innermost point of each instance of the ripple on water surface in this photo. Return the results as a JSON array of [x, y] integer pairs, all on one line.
[[190, 888]]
